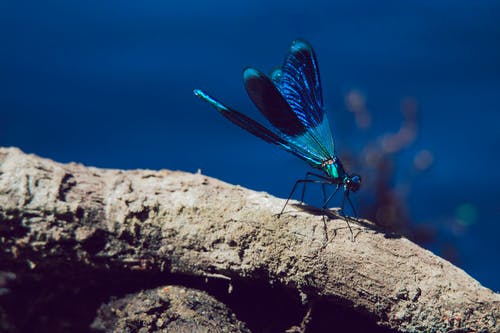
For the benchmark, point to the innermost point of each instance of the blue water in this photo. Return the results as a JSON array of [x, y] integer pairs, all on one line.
[[109, 84]]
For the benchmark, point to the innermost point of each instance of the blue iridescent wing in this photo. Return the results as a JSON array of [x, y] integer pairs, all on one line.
[[292, 102], [271, 103], [299, 83], [285, 121], [258, 130], [276, 76]]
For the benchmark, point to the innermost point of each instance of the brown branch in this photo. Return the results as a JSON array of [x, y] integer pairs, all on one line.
[[193, 224]]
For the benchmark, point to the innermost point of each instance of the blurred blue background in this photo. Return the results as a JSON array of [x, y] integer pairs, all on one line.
[[109, 84]]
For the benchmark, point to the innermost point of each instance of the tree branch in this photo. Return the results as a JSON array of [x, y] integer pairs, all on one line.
[[192, 224]]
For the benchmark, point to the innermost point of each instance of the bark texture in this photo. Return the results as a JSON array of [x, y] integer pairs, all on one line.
[[54, 215]]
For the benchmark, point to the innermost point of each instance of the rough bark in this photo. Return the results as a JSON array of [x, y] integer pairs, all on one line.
[[179, 223]]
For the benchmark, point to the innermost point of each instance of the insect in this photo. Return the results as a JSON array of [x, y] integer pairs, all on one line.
[[292, 101]]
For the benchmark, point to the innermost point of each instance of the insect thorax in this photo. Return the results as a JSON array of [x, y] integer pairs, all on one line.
[[333, 168]]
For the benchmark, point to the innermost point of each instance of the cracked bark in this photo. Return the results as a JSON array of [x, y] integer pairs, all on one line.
[[186, 224]]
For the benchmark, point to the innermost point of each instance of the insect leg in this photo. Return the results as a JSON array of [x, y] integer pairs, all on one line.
[[342, 213], [352, 206], [295, 187], [304, 186], [331, 196]]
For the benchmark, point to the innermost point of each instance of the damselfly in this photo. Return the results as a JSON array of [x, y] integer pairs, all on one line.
[[291, 99]]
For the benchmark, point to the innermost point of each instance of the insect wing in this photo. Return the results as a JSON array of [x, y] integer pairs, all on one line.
[[300, 85], [271, 103], [257, 129]]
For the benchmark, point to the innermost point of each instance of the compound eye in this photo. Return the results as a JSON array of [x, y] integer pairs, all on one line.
[[355, 183]]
